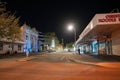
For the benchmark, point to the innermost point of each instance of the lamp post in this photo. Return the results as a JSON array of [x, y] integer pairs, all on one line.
[[70, 28]]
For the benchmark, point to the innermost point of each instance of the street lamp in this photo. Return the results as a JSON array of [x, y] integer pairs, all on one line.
[[70, 28]]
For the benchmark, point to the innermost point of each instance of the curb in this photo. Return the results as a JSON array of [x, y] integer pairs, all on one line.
[[102, 64], [26, 59], [83, 62]]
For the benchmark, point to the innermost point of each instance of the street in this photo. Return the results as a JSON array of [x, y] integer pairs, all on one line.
[[58, 66], [59, 40]]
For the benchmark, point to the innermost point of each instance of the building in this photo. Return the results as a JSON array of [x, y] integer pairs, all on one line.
[[101, 35], [28, 42], [41, 41], [30, 37], [6, 46]]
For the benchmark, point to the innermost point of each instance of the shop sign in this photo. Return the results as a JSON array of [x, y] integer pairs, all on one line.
[[110, 18]]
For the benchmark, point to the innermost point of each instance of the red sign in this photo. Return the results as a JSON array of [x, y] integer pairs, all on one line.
[[110, 18], [100, 37]]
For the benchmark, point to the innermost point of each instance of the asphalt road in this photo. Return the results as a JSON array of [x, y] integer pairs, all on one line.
[[55, 57], [66, 57], [58, 66], [29, 70]]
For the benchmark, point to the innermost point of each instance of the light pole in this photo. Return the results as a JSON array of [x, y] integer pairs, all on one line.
[[70, 28]]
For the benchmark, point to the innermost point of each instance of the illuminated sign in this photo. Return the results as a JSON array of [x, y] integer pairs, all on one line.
[[110, 18]]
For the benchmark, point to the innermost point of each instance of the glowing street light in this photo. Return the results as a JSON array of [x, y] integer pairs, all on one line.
[[70, 28]]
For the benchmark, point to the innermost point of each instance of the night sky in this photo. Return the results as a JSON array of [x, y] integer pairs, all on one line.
[[55, 15]]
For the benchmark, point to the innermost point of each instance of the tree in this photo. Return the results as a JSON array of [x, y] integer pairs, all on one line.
[[69, 45], [3, 26], [49, 36], [2, 7], [14, 30], [9, 27], [3, 21]]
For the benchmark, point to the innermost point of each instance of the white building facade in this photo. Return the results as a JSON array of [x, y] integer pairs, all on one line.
[[30, 38], [6, 47]]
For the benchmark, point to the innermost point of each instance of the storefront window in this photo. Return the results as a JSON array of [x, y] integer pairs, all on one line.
[[95, 47], [102, 49]]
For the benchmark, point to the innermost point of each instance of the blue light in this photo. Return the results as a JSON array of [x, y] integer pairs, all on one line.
[[95, 47], [30, 39]]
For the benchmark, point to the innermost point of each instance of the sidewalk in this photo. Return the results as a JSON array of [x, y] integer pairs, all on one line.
[[18, 57], [83, 62], [108, 61], [98, 58], [26, 58]]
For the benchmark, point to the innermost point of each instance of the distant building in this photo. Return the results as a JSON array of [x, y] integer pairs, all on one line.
[[30, 37], [101, 35], [41, 41]]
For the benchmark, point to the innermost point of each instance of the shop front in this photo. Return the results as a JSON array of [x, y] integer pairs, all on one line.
[[101, 36]]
